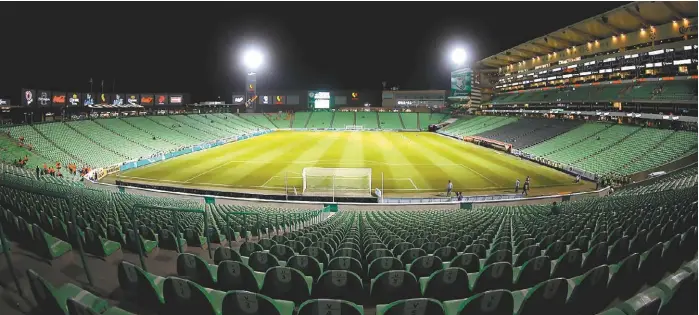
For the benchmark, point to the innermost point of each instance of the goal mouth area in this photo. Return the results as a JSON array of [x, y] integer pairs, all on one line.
[[322, 181]]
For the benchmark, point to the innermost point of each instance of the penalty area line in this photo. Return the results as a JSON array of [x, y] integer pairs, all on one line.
[[479, 174]]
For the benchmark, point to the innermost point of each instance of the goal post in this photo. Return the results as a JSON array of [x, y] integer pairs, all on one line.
[[340, 181]]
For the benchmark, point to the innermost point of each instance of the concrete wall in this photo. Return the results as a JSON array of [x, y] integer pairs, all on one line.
[[357, 206]]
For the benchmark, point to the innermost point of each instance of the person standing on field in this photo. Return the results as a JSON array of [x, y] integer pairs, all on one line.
[[450, 186], [525, 189], [517, 186]]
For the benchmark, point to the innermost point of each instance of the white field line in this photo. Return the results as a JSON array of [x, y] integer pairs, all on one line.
[[208, 171], [479, 174]]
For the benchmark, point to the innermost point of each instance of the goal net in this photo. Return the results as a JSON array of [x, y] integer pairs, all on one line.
[[338, 181]]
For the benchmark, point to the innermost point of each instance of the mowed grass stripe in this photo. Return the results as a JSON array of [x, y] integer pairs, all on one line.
[[417, 156], [187, 166], [234, 159], [428, 159], [268, 162], [480, 170], [379, 149], [502, 168], [353, 152], [437, 163], [308, 158]]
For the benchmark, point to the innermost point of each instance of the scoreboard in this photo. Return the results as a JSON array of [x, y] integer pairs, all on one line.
[[319, 99]]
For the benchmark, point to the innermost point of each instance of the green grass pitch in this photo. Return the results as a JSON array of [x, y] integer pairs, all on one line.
[[410, 162]]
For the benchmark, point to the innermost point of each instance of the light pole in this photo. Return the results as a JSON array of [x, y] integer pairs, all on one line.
[[458, 56], [460, 77], [252, 59]]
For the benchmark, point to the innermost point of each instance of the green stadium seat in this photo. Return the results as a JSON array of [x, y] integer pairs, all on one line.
[[184, 296], [597, 255], [446, 253], [679, 290], [329, 306], [76, 307], [625, 279], [247, 248], [424, 266], [339, 284], [494, 302], [224, 253], [446, 284], [234, 275], [194, 268], [394, 285], [619, 250], [281, 252], [53, 300], [532, 272], [588, 292], [98, 246], [243, 302], [381, 264], [47, 246], [266, 243], [141, 286], [526, 254], [317, 253], [651, 262], [411, 254], [261, 261], [503, 255], [646, 302], [134, 240], [307, 265], [493, 276], [613, 311], [286, 283], [467, 261], [546, 297], [167, 240], [417, 306]]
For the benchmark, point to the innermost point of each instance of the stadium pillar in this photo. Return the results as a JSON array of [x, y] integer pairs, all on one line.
[[286, 185], [333, 187]]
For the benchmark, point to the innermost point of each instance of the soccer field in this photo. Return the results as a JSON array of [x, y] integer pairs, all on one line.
[[410, 163]]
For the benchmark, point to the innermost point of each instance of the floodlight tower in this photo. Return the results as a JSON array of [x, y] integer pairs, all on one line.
[[458, 56], [461, 78], [253, 60]]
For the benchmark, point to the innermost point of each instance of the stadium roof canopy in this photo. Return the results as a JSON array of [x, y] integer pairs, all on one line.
[[625, 19]]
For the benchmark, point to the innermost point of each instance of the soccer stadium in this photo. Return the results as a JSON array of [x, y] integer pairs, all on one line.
[[558, 176]]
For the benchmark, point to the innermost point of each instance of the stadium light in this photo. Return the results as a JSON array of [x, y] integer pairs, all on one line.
[[458, 56], [253, 59]]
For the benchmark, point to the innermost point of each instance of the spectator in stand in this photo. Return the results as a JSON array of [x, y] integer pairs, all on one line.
[[555, 210]]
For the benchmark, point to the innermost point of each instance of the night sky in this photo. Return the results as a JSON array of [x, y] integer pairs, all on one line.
[[195, 47]]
